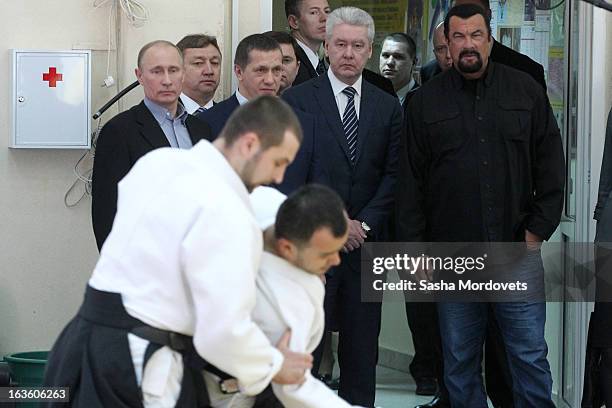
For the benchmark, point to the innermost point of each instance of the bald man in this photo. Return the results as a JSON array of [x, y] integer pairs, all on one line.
[[443, 60]]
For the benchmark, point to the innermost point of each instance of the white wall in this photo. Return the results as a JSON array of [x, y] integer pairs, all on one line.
[[47, 251], [601, 96], [172, 21]]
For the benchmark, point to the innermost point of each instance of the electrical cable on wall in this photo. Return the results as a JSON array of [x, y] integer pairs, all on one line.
[[135, 12], [83, 176], [137, 15]]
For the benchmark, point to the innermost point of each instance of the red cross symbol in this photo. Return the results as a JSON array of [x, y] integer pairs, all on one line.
[[52, 76]]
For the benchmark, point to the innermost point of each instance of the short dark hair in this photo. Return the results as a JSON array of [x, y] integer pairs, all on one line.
[[308, 209], [267, 116], [406, 39], [152, 44], [197, 41], [282, 37], [252, 42], [292, 7], [465, 11]]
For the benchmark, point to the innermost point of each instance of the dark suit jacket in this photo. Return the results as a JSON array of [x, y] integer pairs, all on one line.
[[507, 56], [217, 116], [301, 170], [307, 72], [123, 140], [367, 186], [429, 70]]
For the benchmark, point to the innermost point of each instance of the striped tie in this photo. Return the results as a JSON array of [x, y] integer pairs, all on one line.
[[199, 110], [350, 123]]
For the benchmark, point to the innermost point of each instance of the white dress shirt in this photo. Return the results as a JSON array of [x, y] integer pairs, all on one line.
[[241, 99], [312, 56], [184, 253], [191, 106], [341, 99], [288, 298], [401, 93]]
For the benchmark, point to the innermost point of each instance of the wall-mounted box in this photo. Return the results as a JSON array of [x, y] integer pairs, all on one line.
[[51, 99]]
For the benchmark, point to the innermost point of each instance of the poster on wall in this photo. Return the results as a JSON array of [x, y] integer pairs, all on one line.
[[494, 6], [557, 31], [435, 12], [413, 26], [527, 46], [530, 10], [542, 38], [510, 37], [510, 12], [389, 15], [555, 77]]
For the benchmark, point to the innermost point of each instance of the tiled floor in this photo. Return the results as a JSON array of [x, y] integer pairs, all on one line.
[[395, 389]]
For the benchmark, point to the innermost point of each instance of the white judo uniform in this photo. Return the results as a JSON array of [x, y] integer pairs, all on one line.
[[184, 253], [287, 298]]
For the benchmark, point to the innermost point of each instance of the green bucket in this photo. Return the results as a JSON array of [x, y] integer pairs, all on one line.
[[27, 369]]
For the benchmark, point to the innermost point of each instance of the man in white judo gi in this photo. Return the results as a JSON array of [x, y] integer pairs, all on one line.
[[303, 243], [174, 288]]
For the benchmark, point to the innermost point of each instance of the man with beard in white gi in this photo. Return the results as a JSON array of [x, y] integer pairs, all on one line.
[[311, 228], [170, 294]]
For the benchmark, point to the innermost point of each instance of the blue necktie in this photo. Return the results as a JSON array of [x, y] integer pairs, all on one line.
[[199, 110], [350, 123]]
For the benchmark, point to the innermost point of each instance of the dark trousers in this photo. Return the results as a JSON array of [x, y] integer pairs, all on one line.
[[423, 323], [92, 358], [358, 324]]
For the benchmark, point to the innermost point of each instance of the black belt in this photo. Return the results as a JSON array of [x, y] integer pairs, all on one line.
[[184, 344], [176, 341], [106, 308]]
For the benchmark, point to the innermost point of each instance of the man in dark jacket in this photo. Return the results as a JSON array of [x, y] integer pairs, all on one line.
[[358, 132], [443, 60], [493, 133], [160, 120]]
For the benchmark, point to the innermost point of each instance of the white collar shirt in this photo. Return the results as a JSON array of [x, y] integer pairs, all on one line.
[[191, 106], [241, 98], [341, 99], [313, 58], [184, 253], [401, 93]]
